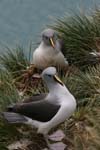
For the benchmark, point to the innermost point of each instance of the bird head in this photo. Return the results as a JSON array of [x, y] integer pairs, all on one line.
[[49, 37], [50, 76]]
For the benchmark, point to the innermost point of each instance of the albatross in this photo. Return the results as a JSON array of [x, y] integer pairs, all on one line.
[[47, 111], [49, 53]]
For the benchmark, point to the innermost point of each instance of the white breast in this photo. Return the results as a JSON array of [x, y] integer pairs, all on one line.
[[45, 56]]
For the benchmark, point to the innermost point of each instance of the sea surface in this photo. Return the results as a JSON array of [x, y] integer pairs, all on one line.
[[22, 21]]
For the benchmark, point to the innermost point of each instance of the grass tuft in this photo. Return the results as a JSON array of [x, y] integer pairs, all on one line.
[[14, 60], [79, 33]]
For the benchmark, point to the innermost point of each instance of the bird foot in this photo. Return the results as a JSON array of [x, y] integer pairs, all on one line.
[[56, 146], [57, 136]]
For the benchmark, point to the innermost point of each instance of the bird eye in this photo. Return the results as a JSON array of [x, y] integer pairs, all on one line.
[[46, 38], [49, 75]]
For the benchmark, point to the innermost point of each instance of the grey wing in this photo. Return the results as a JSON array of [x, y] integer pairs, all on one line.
[[13, 117], [40, 110], [36, 97]]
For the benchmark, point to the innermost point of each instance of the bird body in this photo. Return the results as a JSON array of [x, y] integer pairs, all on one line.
[[45, 56], [44, 114], [49, 52]]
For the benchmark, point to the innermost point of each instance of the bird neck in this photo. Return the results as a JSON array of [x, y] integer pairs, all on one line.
[[51, 87], [46, 48], [59, 94], [45, 45], [57, 89]]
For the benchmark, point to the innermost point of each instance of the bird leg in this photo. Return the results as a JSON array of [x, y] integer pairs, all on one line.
[[47, 141]]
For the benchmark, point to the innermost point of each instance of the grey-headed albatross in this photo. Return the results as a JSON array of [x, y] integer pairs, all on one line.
[[49, 110], [49, 53]]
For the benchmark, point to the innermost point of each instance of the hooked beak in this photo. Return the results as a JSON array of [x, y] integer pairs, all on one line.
[[58, 80], [52, 42]]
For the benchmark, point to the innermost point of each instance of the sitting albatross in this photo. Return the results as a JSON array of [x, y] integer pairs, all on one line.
[[49, 52], [46, 113]]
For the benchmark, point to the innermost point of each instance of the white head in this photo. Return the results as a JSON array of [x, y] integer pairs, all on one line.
[[49, 75]]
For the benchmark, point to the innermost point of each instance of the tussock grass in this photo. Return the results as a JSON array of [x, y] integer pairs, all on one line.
[[8, 92], [79, 33], [14, 60]]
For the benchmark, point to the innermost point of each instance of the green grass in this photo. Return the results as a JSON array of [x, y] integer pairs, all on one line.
[[8, 92], [14, 60], [84, 86], [79, 33], [8, 134]]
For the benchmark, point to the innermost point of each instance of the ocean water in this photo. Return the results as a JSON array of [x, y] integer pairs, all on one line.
[[22, 21]]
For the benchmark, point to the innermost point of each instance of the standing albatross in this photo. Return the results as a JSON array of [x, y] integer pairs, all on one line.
[[49, 52], [46, 113]]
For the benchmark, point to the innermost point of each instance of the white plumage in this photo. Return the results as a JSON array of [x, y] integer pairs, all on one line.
[[59, 104], [49, 52]]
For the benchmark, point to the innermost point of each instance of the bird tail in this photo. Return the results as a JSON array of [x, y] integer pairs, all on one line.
[[14, 117]]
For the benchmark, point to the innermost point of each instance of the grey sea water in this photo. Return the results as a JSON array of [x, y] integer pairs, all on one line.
[[23, 20]]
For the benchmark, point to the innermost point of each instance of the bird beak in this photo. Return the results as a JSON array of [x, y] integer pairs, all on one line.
[[58, 80], [52, 42]]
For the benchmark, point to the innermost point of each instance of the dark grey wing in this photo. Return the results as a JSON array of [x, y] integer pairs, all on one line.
[[36, 97], [40, 110], [14, 117]]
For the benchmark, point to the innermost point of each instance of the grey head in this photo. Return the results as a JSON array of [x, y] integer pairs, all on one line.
[[49, 37], [49, 75], [49, 71], [48, 32]]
